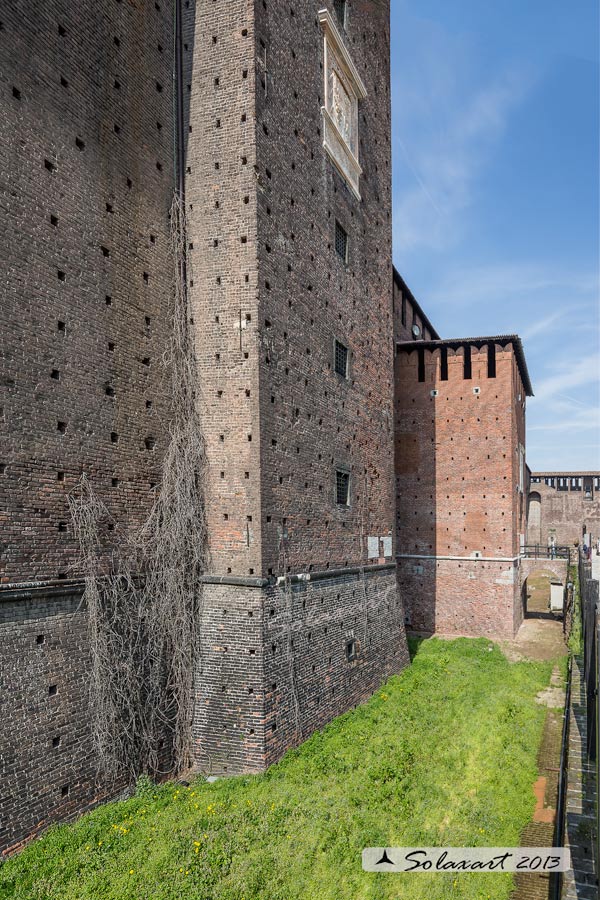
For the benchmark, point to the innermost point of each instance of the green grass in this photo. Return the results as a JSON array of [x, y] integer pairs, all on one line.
[[576, 637], [443, 755]]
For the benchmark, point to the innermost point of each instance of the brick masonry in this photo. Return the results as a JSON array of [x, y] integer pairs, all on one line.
[[299, 621], [276, 667], [270, 297], [87, 177], [87, 140], [563, 512], [47, 765], [460, 500]]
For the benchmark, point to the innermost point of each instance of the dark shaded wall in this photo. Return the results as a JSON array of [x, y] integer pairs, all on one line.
[[86, 180]]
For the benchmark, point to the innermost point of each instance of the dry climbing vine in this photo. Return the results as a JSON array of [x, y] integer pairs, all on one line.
[[144, 605]]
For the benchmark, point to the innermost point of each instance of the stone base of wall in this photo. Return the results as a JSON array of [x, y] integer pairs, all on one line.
[[274, 667], [279, 662], [463, 597], [47, 765]]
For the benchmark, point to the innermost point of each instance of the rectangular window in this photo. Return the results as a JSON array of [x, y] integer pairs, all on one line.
[[342, 488], [341, 242], [341, 359], [351, 652], [340, 11], [403, 310]]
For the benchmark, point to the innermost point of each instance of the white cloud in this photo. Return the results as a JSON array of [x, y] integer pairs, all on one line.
[[445, 127], [583, 372]]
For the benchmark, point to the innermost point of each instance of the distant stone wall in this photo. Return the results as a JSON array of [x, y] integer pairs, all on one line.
[[558, 567], [562, 514]]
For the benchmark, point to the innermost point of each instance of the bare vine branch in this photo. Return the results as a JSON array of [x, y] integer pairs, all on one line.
[[144, 612]]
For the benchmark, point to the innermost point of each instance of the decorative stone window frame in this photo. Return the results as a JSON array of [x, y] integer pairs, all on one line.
[[343, 89]]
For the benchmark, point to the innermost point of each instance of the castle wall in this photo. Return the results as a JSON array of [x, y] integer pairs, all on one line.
[[458, 497], [86, 154], [221, 174], [271, 295], [275, 661], [88, 143], [564, 513], [314, 421], [47, 763]]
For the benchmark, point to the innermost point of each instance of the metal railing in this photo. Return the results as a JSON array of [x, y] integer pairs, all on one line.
[[590, 621], [540, 551]]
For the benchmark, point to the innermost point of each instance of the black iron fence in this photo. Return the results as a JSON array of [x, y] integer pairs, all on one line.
[[539, 551], [590, 621]]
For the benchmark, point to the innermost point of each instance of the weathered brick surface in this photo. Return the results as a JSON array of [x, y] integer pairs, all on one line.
[[86, 310], [562, 514], [274, 663], [270, 296], [47, 764], [86, 273], [457, 464]]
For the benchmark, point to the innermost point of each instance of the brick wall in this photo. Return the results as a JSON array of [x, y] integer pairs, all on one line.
[[275, 667], [457, 464], [270, 297], [563, 513], [86, 156], [88, 143], [47, 764], [221, 190], [312, 420]]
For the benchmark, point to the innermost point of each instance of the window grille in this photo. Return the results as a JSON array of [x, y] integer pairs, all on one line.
[[340, 11], [341, 242], [342, 488], [341, 359]]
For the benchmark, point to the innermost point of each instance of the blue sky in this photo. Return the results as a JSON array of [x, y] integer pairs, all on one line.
[[495, 151]]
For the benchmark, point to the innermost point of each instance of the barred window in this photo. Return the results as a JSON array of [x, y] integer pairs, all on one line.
[[341, 359], [341, 242], [342, 488], [351, 650], [340, 11]]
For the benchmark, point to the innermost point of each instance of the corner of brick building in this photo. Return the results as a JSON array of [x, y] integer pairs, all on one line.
[[297, 587]]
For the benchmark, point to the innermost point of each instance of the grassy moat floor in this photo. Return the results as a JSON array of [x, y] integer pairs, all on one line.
[[443, 755]]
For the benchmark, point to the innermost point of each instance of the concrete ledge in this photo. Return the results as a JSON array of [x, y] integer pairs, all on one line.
[[28, 590]]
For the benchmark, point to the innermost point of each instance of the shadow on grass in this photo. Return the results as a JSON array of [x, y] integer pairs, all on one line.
[[414, 642]]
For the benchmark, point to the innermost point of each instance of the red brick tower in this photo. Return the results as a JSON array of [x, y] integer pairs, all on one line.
[[460, 464]]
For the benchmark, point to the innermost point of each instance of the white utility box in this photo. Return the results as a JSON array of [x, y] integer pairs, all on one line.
[[557, 591]]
